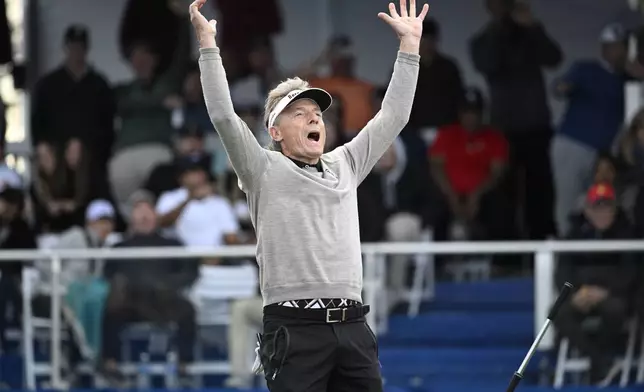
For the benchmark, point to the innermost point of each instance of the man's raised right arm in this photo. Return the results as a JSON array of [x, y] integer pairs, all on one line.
[[247, 157]]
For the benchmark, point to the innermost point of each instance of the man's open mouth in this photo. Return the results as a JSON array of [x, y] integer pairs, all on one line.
[[315, 136]]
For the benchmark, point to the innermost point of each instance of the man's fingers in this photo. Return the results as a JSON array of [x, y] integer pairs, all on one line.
[[412, 8], [386, 17], [403, 8], [392, 11], [423, 12]]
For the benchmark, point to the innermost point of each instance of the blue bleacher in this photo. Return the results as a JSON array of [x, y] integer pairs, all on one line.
[[472, 337]]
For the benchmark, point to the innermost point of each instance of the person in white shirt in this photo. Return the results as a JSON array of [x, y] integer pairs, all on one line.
[[194, 213]]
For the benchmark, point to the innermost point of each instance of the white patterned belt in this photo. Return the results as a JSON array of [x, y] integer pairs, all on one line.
[[319, 303]]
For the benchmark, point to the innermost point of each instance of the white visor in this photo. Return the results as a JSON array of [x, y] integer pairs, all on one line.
[[317, 95]]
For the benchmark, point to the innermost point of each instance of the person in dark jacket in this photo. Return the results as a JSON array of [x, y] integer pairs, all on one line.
[[511, 52], [75, 101], [144, 292], [440, 84], [604, 282], [15, 233]]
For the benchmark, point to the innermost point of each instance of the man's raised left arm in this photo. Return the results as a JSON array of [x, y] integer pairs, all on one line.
[[373, 140]]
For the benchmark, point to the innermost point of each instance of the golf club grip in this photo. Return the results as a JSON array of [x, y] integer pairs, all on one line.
[[563, 295], [516, 379]]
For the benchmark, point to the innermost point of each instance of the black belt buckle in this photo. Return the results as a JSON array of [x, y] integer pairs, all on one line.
[[342, 315]]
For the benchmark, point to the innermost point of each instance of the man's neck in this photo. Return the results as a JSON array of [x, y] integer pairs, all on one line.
[[78, 70], [304, 163]]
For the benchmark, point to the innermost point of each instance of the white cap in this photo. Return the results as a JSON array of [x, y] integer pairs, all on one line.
[[99, 209], [613, 33], [317, 95]]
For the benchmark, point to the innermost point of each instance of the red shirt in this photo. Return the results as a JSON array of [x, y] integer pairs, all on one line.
[[468, 155]]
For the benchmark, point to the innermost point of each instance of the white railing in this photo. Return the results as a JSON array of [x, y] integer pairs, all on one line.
[[544, 252]]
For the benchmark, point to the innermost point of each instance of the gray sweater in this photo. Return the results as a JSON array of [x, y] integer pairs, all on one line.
[[308, 241]]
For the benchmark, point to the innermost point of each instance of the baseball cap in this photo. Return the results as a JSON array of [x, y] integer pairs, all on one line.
[[190, 163], [191, 130], [77, 33], [99, 209], [601, 194], [613, 33], [472, 99], [317, 95]]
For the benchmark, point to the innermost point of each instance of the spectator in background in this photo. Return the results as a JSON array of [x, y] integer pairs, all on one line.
[[144, 108], [468, 162], [631, 152], [196, 215], [245, 318], [75, 102], [86, 291], [440, 85], [511, 52], [594, 90], [15, 233], [606, 171], [355, 93], [261, 60], [594, 318], [58, 192], [189, 144], [403, 204], [139, 292], [97, 232]]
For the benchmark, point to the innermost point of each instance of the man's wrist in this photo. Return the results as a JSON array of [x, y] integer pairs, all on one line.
[[207, 42], [410, 45]]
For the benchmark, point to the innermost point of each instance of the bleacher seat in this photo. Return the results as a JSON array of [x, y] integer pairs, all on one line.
[[567, 363]]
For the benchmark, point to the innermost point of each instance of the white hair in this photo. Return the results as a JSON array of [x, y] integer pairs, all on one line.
[[275, 96]]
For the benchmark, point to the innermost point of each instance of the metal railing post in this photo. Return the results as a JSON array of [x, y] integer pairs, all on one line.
[[27, 332], [56, 325], [544, 294]]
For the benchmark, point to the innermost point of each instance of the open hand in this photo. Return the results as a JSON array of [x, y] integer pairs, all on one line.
[[406, 24], [204, 29]]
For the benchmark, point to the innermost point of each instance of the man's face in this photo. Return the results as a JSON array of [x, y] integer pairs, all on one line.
[[76, 52], [499, 8], [300, 130], [192, 88], [102, 227], [260, 59], [190, 146], [615, 54], [144, 62], [601, 216], [143, 219], [192, 179], [470, 119]]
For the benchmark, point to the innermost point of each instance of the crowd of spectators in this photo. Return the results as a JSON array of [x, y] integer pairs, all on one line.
[[139, 164]]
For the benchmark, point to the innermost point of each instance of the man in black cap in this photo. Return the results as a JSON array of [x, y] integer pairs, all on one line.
[[468, 161], [189, 143], [75, 102]]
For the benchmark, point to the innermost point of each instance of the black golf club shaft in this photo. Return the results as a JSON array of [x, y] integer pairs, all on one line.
[[518, 375]]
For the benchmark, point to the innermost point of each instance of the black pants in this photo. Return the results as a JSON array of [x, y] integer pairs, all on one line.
[[319, 357], [530, 185], [493, 221], [10, 296], [172, 309], [596, 333]]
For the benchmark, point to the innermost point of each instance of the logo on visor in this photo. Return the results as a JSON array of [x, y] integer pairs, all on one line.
[[293, 94]]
